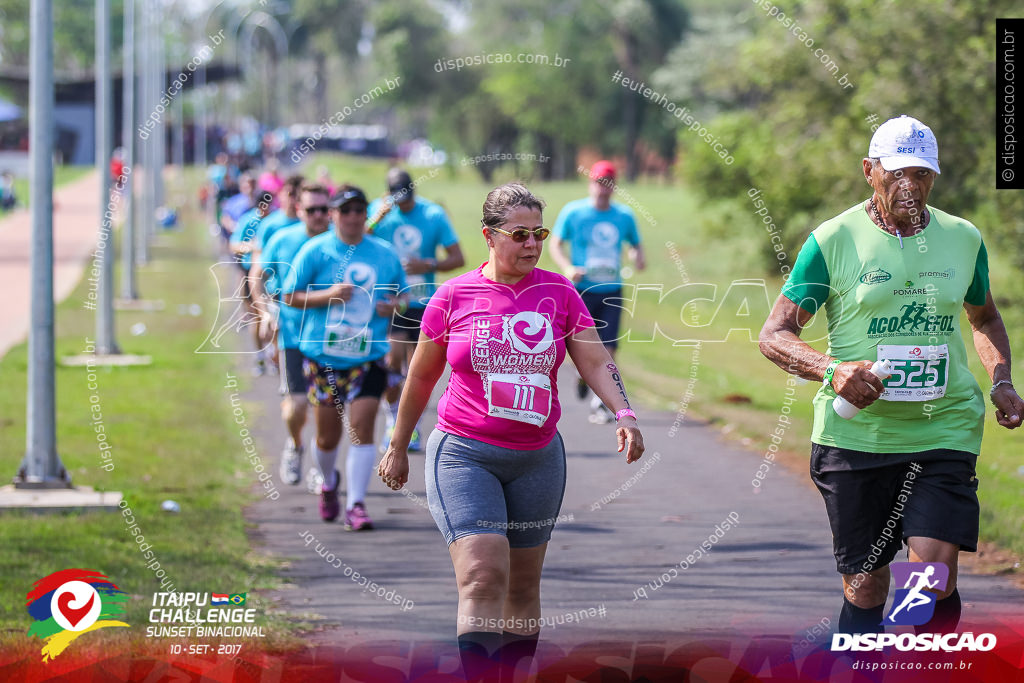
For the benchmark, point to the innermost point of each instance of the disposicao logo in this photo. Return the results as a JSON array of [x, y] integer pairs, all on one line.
[[914, 605], [71, 602]]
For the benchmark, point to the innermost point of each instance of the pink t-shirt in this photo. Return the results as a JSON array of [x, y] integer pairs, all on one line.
[[505, 344]]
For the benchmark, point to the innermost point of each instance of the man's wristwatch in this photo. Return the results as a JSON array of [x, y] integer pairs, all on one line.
[[829, 371], [996, 386]]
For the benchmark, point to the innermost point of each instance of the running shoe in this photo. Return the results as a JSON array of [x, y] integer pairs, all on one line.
[[581, 389], [291, 464], [259, 368], [356, 519], [329, 505], [314, 481], [414, 443]]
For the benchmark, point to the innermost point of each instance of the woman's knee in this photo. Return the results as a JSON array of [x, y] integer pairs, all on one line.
[[483, 580]]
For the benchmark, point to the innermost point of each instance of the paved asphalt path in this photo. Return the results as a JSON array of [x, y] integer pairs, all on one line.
[[772, 574], [76, 227]]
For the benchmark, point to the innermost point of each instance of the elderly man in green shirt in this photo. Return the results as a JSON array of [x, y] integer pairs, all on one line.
[[892, 273]]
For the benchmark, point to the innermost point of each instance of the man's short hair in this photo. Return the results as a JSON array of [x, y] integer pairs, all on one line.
[[294, 183], [315, 188], [400, 184]]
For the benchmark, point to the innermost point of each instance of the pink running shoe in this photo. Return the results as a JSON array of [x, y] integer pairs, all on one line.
[[356, 519], [329, 505]]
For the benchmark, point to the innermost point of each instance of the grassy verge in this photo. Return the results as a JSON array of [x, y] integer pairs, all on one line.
[[173, 437], [61, 176], [734, 387]]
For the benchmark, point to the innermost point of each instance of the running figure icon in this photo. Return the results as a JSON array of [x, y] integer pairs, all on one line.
[[915, 597]]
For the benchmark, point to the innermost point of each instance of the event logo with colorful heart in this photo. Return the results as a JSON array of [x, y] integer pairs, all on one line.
[[71, 602]]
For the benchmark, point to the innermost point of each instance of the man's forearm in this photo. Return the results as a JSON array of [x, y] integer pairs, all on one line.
[[794, 355], [558, 256], [316, 299], [993, 346], [450, 262]]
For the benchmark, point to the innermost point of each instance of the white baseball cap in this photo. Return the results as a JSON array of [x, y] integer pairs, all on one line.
[[904, 142]]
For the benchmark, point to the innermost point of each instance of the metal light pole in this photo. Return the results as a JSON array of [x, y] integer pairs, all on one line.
[[41, 466], [160, 75], [178, 157], [104, 253], [128, 284], [199, 117], [144, 207], [145, 229]]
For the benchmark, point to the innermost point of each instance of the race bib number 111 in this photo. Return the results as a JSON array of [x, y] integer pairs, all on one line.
[[523, 398]]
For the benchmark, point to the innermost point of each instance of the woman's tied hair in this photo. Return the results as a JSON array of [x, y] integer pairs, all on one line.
[[503, 199]]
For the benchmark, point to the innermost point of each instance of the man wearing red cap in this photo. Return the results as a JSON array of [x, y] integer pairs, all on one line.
[[596, 229]]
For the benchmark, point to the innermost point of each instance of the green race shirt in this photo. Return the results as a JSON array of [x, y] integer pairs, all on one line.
[[902, 303]]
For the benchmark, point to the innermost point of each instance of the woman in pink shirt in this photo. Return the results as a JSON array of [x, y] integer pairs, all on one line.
[[495, 466]]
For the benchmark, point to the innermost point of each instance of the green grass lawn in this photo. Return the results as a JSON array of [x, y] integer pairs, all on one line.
[[61, 176], [735, 387], [172, 437]]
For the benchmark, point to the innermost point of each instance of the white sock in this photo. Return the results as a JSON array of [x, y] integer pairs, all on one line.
[[595, 402], [358, 468], [327, 460], [393, 407]]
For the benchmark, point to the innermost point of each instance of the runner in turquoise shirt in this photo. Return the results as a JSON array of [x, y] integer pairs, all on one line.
[[348, 284]]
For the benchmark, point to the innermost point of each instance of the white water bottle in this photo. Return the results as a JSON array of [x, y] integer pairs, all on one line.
[[844, 409]]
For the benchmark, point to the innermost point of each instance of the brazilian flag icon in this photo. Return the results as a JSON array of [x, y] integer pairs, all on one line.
[[237, 598]]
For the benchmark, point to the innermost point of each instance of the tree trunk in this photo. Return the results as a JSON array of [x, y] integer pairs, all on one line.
[[320, 88]]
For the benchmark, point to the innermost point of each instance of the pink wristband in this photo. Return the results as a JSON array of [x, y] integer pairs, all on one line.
[[625, 412]]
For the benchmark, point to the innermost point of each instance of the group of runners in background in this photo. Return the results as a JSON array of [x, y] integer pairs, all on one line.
[[351, 309], [291, 237], [348, 305]]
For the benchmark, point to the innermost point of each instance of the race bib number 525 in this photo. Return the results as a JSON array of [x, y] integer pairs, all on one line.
[[919, 373]]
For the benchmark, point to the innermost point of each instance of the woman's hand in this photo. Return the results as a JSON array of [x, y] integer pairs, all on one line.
[[630, 439], [394, 468]]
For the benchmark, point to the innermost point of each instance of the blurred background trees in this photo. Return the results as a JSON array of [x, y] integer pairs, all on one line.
[[795, 132]]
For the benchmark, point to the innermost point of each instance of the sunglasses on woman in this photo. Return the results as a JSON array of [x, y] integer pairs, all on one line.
[[522, 234]]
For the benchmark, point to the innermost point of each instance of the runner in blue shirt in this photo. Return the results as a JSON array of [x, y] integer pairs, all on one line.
[[349, 285], [286, 216], [416, 227], [232, 208], [596, 229], [241, 244], [275, 267]]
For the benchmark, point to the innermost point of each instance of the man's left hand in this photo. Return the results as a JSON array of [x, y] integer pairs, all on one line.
[[1009, 406], [416, 266]]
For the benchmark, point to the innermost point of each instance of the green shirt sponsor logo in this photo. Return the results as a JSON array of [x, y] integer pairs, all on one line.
[[875, 277], [913, 320]]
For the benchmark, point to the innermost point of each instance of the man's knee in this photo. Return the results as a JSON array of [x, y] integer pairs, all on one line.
[[293, 405], [867, 589], [933, 550], [361, 433]]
